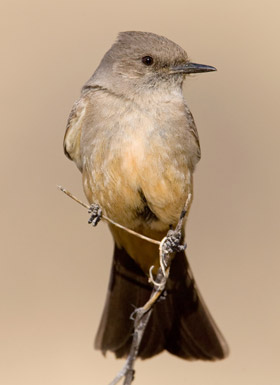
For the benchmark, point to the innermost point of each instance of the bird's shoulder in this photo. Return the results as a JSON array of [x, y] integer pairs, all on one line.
[[74, 125], [193, 130]]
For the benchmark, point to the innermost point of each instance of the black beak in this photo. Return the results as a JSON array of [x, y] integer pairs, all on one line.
[[192, 68]]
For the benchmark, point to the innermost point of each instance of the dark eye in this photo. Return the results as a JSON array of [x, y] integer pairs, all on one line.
[[147, 60]]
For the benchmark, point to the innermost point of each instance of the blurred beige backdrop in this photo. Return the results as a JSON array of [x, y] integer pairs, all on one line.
[[54, 267]]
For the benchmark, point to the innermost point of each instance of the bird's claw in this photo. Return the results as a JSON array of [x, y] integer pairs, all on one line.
[[172, 242], [96, 214]]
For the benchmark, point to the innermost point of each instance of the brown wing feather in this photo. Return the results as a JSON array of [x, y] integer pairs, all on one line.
[[180, 323], [72, 135], [193, 129]]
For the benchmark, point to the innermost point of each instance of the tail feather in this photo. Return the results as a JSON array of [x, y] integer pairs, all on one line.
[[180, 322]]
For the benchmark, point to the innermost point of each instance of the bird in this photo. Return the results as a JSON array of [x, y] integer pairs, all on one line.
[[134, 139]]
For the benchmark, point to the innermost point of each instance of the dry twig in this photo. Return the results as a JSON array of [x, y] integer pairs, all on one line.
[[106, 219], [167, 247]]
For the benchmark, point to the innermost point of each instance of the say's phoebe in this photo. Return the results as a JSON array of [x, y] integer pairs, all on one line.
[[135, 142]]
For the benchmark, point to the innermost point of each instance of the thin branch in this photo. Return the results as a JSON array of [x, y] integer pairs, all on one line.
[[143, 313], [167, 247], [108, 220]]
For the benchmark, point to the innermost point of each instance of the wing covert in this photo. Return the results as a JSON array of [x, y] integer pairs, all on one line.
[[193, 130], [72, 135]]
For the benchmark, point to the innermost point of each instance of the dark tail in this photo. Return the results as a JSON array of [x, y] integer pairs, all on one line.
[[180, 322]]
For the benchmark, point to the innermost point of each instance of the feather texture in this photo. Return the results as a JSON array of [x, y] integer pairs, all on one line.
[[180, 322]]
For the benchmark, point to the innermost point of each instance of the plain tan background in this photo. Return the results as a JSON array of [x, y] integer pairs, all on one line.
[[55, 268]]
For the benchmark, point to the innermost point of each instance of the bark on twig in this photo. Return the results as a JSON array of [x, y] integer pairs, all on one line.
[[167, 247], [108, 220]]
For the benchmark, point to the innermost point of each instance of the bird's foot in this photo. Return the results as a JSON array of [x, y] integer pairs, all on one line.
[[95, 214], [172, 242], [169, 245]]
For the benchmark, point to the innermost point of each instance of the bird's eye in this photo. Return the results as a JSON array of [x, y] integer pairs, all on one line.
[[147, 60]]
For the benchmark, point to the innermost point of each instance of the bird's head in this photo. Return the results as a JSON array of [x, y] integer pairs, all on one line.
[[141, 61]]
